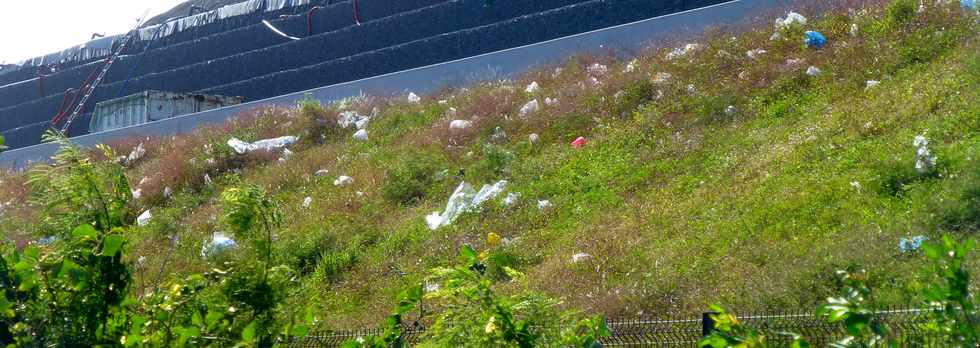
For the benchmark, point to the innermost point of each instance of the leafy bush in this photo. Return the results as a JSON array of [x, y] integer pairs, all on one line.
[[409, 180], [900, 12]]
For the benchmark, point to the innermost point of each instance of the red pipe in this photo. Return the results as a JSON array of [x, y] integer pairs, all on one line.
[[309, 20]]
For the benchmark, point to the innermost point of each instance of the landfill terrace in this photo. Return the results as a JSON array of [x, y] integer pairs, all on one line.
[[742, 167]]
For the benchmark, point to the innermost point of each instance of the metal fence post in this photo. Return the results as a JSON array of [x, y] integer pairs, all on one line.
[[707, 323]]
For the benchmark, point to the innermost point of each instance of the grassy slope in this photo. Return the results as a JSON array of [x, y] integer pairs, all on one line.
[[678, 203]]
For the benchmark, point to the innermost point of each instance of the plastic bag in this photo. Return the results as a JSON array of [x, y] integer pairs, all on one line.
[[242, 147], [464, 199], [815, 39]]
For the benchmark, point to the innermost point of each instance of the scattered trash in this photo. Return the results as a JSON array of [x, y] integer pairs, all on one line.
[[557, 73], [137, 193], [872, 84], [731, 111], [544, 204], [631, 66], [924, 159], [451, 112], [242, 147], [907, 245], [347, 119], [580, 257], [47, 240], [691, 89], [321, 172], [511, 198], [753, 54], [598, 69], [431, 287], [285, 155], [814, 39], [464, 199], [460, 124], [443, 102], [167, 192], [361, 135], [498, 135], [775, 36], [343, 180], [207, 179], [682, 51], [307, 201], [144, 218], [793, 63], [813, 71], [854, 30], [136, 154], [791, 19], [534, 138], [413, 98], [532, 88], [359, 194], [661, 77], [579, 143], [550, 102], [219, 243], [856, 185], [530, 108], [143, 181], [973, 5]]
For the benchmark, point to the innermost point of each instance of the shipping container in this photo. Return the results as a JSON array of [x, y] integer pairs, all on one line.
[[151, 106]]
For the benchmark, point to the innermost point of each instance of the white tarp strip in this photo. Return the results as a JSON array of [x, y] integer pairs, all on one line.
[[277, 30]]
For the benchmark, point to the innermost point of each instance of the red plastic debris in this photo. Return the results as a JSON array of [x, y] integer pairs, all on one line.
[[579, 143]]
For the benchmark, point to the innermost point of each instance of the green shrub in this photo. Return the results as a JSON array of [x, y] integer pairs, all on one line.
[[409, 180], [900, 12]]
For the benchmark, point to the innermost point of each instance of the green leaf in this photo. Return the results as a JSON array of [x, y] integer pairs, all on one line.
[[248, 335], [32, 253], [300, 331], [468, 254], [196, 318], [212, 319], [112, 244], [85, 232]]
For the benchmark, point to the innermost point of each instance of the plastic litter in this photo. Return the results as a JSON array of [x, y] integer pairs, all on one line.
[[498, 135], [534, 138], [691, 89], [136, 154], [907, 245], [464, 199], [661, 77], [530, 108], [285, 155], [854, 30], [598, 69], [460, 124], [242, 147], [207, 179], [321, 172], [307, 201], [277, 31], [872, 84], [443, 102], [791, 19], [924, 159], [856, 185], [579, 143], [532, 88], [144, 218], [973, 5], [451, 112], [550, 102], [544, 204], [682, 51], [511, 198], [219, 243], [753, 54], [167, 192], [731, 110], [813, 71], [361, 135], [580, 257], [137, 193], [631, 66], [814, 39], [775, 36], [413, 98], [343, 180], [143, 181], [47, 240], [347, 119]]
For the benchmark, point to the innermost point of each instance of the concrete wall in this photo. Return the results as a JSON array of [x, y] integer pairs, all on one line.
[[626, 38]]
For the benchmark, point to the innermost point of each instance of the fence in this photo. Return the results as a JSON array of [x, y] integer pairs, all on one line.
[[904, 325]]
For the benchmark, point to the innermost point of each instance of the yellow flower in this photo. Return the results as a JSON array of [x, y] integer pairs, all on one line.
[[491, 326], [493, 240]]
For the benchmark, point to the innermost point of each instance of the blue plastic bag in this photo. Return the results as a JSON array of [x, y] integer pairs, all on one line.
[[970, 4], [815, 39]]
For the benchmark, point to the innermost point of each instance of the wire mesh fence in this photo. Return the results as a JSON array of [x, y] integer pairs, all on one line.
[[905, 326]]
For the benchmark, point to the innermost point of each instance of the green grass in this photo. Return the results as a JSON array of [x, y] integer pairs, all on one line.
[[679, 203]]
